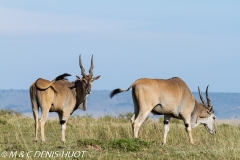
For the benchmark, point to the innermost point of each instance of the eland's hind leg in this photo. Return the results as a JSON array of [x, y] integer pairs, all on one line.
[[35, 115], [136, 111], [35, 108], [139, 120], [43, 121], [132, 122]]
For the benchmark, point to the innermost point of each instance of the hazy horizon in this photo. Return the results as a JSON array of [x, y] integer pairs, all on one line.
[[115, 88]]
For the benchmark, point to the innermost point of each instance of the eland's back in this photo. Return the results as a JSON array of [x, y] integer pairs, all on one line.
[[163, 96]]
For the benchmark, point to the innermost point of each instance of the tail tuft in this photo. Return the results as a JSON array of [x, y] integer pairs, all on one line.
[[62, 77], [114, 92]]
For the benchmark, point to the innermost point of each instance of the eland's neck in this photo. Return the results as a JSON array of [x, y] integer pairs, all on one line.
[[198, 113]]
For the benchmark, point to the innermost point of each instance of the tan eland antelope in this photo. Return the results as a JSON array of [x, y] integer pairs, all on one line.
[[60, 96], [171, 98]]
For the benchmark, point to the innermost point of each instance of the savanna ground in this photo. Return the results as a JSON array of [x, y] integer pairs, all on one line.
[[111, 138]]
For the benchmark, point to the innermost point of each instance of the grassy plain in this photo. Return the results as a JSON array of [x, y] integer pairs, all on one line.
[[111, 138]]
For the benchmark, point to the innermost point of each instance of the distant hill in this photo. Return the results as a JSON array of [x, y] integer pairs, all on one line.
[[226, 105]]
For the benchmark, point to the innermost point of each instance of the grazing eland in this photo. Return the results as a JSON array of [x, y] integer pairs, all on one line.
[[60, 96], [171, 98]]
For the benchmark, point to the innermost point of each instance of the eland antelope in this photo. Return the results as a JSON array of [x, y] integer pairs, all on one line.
[[171, 98], [60, 96]]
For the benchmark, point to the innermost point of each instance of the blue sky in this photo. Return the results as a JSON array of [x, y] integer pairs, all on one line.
[[198, 41]]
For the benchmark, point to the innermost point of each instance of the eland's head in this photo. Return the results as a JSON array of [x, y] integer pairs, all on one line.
[[208, 118], [86, 80]]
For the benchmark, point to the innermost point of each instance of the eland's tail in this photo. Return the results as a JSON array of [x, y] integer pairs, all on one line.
[[118, 90]]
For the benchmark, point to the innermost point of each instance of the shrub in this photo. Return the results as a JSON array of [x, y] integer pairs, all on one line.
[[10, 112]]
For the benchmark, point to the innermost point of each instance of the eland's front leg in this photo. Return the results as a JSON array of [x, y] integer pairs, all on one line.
[[63, 117], [166, 127], [189, 130], [63, 127]]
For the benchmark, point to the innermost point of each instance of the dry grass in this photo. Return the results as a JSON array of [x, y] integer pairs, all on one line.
[[234, 122], [111, 138]]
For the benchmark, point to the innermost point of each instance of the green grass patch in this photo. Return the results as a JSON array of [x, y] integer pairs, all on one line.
[[127, 144]]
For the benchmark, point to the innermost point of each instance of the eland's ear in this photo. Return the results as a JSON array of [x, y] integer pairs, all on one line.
[[78, 78], [96, 78]]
